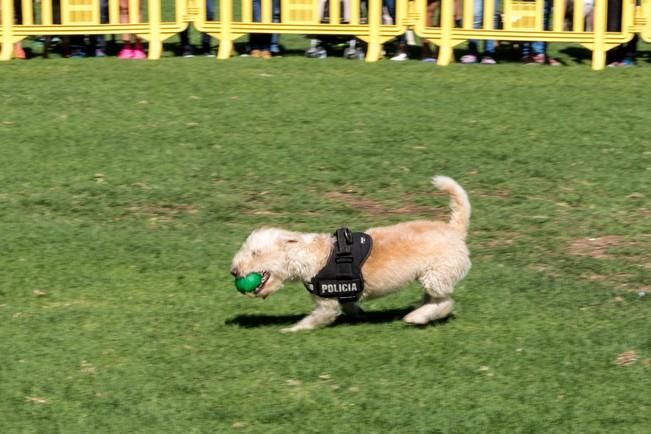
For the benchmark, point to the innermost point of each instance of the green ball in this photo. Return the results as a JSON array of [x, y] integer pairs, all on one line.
[[248, 283]]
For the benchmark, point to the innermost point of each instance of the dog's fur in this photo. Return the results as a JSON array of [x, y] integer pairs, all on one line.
[[432, 252]]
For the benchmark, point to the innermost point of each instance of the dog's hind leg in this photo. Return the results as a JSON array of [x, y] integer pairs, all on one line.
[[437, 302], [326, 312], [431, 310]]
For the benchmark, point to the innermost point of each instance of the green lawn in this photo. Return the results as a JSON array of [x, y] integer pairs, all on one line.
[[126, 187]]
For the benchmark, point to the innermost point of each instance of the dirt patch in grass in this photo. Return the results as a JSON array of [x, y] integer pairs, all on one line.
[[613, 247], [165, 212], [600, 247], [595, 247], [374, 208], [626, 359], [491, 240], [503, 193]]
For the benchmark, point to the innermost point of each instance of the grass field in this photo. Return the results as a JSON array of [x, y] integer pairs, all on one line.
[[126, 187]]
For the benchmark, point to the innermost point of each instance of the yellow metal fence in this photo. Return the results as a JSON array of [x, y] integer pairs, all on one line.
[[521, 20]]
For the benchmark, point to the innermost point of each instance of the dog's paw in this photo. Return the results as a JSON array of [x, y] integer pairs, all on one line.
[[296, 328], [415, 318], [292, 329]]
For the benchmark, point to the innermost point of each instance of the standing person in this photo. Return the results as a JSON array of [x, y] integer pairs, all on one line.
[[261, 43], [427, 52], [19, 52], [186, 46], [98, 42], [488, 55], [535, 53], [623, 55], [129, 51]]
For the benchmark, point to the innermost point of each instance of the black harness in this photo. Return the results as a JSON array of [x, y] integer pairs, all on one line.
[[342, 275]]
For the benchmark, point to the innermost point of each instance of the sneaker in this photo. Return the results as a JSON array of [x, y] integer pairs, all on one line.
[[429, 60], [488, 60], [187, 51], [628, 61], [207, 51], [138, 54], [353, 53], [78, 53], [401, 57], [265, 54], [553, 62], [527, 60], [19, 52], [468, 59], [256, 53], [539, 59], [125, 53], [100, 53], [316, 53]]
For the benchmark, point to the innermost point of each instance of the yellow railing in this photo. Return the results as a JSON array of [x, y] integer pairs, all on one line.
[[525, 21], [522, 20], [82, 17], [302, 17], [643, 20]]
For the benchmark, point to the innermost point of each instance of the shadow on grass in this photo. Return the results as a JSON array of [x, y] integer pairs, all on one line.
[[580, 55], [378, 317]]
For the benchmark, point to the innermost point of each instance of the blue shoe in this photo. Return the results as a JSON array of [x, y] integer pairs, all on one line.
[[628, 61], [78, 54]]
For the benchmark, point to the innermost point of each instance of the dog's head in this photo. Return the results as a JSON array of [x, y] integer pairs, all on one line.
[[267, 251]]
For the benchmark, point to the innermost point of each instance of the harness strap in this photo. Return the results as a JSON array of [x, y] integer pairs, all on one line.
[[341, 277], [344, 254]]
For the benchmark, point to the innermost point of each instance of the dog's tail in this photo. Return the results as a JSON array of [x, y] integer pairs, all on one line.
[[459, 203]]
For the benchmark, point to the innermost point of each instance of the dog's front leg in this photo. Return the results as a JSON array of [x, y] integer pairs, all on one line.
[[326, 312], [353, 311]]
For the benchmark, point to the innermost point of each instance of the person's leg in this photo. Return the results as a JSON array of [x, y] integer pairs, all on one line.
[[98, 42], [19, 52], [547, 18], [275, 37], [127, 51], [539, 48], [488, 57], [390, 6], [256, 40], [615, 56], [184, 40], [473, 44], [210, 16], [427, 52], [630, 49]]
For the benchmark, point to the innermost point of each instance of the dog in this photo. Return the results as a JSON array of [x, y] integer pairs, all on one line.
[[432, 252]]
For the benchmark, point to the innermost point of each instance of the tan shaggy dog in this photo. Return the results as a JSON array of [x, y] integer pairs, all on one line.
[[432, 252]]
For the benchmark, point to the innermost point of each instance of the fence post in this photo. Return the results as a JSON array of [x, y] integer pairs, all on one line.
[[155, 42], [374, 20], [7, 27], [447, 24], [226, 39], [599, 46]]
